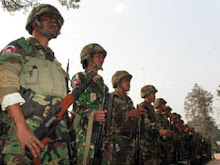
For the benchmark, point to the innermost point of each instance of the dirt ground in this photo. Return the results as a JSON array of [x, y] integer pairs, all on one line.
[[215, 161], [217, 156]]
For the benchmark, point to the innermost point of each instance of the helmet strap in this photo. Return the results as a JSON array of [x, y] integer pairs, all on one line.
[[89, 58]]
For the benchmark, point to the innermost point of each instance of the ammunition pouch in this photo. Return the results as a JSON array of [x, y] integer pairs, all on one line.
[[28, 108]]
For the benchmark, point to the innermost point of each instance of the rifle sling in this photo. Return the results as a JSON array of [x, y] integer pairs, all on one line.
[[88, 137]]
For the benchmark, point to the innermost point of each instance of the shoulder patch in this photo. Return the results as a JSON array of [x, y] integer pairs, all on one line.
[[74, 82], [9, 49]]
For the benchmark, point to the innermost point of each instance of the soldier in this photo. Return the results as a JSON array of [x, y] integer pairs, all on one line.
[[165, 132], [32, 81], [123, 120], [88, 105], [150, 149]]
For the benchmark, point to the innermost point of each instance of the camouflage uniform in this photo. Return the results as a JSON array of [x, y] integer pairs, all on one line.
[[122, 126], [150, 142], [88, 102], [32, 61], [150, 149], [164, 143]]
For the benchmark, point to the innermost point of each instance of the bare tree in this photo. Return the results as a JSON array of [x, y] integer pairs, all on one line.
[[17, 5]]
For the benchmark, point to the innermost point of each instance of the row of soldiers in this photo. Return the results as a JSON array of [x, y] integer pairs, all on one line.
[[107, 128]]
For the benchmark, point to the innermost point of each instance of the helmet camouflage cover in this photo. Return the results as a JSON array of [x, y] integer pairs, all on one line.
[[147, 89], [90, 50], [118, 76], [158, 102], [41, 10]]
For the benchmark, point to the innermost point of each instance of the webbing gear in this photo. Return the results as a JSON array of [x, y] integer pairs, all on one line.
[[88, 137], [52, 120]]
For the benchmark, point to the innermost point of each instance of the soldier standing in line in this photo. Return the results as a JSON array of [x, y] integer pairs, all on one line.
[[32, 81], [123, 120], [150, 149], [88, 105], [165, 132]]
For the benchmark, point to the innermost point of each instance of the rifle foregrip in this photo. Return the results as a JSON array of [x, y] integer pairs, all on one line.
[[36, 160]]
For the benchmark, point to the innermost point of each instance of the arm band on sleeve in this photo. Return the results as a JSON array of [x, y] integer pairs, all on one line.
[[11, 99]]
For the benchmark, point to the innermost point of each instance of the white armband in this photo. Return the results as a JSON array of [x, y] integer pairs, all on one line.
[[11, 99]]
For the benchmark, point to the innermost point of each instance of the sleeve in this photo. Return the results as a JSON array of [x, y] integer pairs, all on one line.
[[81, 105], [11, 62], [119, 112]]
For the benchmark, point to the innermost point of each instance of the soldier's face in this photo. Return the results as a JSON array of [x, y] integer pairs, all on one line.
[[125, 84], [49, 22], [151, 97], [98, 59], [163, 107]]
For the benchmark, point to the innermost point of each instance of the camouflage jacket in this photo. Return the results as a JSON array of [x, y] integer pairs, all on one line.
[[151, 118], [150, 148], [162, 121], [89, 101], [122, 124], [12, 59]]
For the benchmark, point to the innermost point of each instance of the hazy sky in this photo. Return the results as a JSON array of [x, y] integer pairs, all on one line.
[[167, 43]]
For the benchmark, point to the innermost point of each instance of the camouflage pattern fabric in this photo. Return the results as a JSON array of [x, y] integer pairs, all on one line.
[[16, 53], [165, 142], [150, 148], [89, 101], [123, 131]]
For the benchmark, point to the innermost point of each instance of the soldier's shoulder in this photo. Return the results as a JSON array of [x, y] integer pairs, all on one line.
[[16, 46]]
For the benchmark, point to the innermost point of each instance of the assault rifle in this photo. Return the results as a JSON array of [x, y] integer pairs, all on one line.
[[100, 135], [57, 112]]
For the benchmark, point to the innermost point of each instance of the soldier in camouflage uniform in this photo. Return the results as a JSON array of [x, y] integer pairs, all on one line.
[[150, 149], [31, 82], [123, 120], [165, 132], [88, 105]]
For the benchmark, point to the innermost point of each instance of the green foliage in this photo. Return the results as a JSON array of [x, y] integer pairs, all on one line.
[[18, 5], [198, 107]]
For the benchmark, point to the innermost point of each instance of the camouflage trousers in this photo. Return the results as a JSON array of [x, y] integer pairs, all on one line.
[[54, 153], [81, 151], [150, 150], [124, 151]]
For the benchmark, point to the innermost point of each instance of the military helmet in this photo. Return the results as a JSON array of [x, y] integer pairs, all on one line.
[[41, 10], [118, 76], [168, 109], [147, 89], [90, 50], [158, 102]]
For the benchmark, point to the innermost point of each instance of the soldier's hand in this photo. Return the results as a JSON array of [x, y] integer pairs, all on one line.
[[99, 115], [24, 134], [166, 132], [135, 113], [27, 138]]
